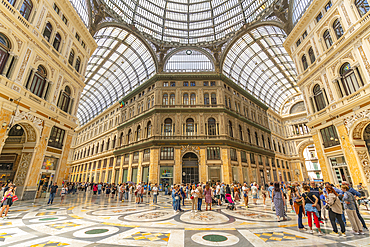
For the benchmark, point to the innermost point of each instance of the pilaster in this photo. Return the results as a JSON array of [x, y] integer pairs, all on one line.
[[226, 166], [325, 167], [202, 165], [154, 166], [63, 169], [177, 169]]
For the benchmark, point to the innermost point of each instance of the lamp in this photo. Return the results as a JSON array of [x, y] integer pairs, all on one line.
[[331, 138]]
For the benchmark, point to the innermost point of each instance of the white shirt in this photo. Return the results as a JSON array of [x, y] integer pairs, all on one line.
[[195, 193], [155, 190], [245, 189], [254, 189], [218, 190]]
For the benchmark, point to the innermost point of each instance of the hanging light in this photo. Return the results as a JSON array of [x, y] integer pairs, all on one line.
[[331, 138], [18, 127]]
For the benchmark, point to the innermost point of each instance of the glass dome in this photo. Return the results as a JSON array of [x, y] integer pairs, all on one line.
[[188, 21]]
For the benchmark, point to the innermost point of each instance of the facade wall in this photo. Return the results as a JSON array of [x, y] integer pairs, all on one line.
[[31, 52], [335, 86]]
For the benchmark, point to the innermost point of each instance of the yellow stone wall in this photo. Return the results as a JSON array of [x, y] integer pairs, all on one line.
[[202, 165], [5, 116], [325, 169], [153, 167], [177, 169], [226, 166], [63, 169]]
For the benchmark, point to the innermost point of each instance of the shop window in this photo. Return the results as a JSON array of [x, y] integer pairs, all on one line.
[[167, 153], [329, 136], [56, 137], [213, 153]]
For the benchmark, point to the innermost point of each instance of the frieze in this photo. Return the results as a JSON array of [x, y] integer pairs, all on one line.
[[346, 15], [23, 169], [16, 88], [188, 148], [364, 59], [349, 121], [38, 123], [40, 18], [37, 59]]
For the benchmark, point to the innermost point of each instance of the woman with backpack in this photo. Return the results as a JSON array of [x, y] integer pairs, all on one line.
[[310, 206], [335, 209]]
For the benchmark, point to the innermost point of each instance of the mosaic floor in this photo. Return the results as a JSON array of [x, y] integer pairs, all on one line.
[[86, 220]]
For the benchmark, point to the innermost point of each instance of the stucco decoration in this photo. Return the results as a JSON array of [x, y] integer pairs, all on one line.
[[23, 65], [364, 59], [349, 121], [188, 148], [30, 132], [364, 159], [22, 170], [37, 122], [40, 17], [288, 104], [19, 42]]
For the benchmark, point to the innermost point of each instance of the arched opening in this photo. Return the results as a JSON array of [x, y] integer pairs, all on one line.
[[39, 86], [149, 129], [327, 39], [190, 168], [47, 31], [211, 126], [311, 162], [338, 28], [190, 130], [57, 41], [167, 128], [4, 51]]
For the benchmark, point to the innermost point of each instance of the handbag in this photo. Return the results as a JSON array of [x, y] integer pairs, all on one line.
[[15, 198], [192, 197], [177, 198], [327, 206]]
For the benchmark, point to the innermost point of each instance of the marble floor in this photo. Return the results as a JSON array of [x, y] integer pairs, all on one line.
[[87, 220]]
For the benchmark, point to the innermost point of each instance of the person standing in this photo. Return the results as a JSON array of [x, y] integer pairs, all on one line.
[[316, 191], [182, 192], [245, 194], [155, 193], [63, 193], [298, 207], [99, 188], [121, 190], [310, 202], [270, 189], [349, 206], [264, 195], [278, 200], [53, 191], [194, 198], [200, 197], [222, 192], [208, 197], [254, 190], [335, 211], [7, 202], [218, 195]]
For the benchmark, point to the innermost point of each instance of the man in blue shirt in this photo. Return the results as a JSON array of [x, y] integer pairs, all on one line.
[[270, 189], [356, 193]]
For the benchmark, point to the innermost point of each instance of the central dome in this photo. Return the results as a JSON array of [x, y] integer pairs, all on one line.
[[188, 22]]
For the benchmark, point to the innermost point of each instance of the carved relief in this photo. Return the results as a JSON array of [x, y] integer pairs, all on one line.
[[364, 159], [2, 26], [16, 88], [40, 18], [188, 148], [37, 59], [23, 65], [19, 42], [349, 121], [364, 59], [52, 71], [30, 131], [23, 168], [38, 123], [57, 89], [346, 15], [67, 50]]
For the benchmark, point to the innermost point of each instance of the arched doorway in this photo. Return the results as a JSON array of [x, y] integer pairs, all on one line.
[[190, 168]]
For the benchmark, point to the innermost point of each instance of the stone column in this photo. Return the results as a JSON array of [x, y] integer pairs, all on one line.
[[114, 170], [140, 167], [350, 154], [5, 116], [32, 180], [325, 167], [240, 167], [177, 168], [22, 171], [202, 165], [226, 166], [121, 169], [33, 71], [62, 173], [129, 171], [154, 165]]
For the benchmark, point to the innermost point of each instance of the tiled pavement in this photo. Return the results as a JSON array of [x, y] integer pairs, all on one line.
[[87, 220]]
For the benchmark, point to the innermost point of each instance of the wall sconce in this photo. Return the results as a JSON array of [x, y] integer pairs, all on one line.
[[3, 125]]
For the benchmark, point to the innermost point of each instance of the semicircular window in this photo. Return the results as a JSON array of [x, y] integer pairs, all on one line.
[[188, 61], [119, 64], [298, 107]]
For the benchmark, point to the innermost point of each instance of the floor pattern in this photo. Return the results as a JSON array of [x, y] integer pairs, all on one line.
[[85, 220]]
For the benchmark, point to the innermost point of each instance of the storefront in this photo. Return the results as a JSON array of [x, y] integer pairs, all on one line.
[[166, 175], [145, 177], [340, 170], [48, 169], [214, 174], [235, 174]]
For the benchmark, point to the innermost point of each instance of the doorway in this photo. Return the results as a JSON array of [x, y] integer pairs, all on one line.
[[190, 168], [340, 170]]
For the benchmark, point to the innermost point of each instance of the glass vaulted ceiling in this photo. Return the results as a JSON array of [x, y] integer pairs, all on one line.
[[259, 63], [118, 65], [188, 21]]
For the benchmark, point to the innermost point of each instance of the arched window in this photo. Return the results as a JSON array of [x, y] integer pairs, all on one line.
[[78, 64], [256, 136], [167, 129], [319, 97], [192, 99], [249, 135], [190, 129], [152, 101], [186, 99], [38, 84], [269, 142], [348, 79], [362, 7], [4, 51], [71, 57], [231, 129], [47, 31], [26, 9], [148, 103], [121, 139], [327, 39], [114, 142], [102, 147], [97, 148], [263, 141], [107, 147], [206, 99], [172, 99], [129, 137], [304, 62], [64, 99], [57, 41], [211, 126], [338, 29], [213, 99], [165, 99], [149, 129], [311, 54], [138, 133], [240, 132]]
